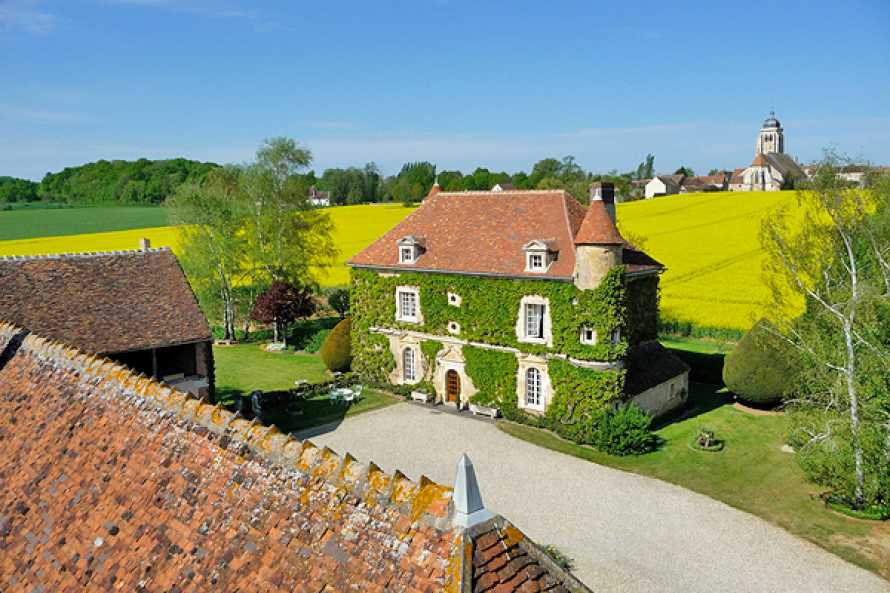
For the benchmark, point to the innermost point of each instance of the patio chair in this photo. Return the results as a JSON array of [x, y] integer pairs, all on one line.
[[334, 395], [357, 390], [349, 398]]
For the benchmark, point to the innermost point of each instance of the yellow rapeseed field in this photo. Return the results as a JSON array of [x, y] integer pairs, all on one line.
[[709, 243], [357, 227]]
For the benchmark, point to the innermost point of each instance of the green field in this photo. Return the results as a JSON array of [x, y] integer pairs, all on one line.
[[752, 473], [709, 243], [46, 222]]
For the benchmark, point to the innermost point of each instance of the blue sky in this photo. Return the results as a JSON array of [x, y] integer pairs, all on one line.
[[500, 84]]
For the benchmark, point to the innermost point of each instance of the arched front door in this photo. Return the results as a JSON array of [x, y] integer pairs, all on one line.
[[452, 386]]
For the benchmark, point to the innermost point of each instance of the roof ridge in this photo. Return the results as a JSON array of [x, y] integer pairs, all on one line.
[[503, 193], [424, 499], [80, 254]]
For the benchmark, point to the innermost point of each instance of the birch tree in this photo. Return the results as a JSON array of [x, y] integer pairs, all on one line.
[[287, 240], [830, 251], [212, 244]]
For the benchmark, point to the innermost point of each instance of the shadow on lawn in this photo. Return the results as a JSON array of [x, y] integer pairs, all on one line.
[[314, 415], [703, 398]]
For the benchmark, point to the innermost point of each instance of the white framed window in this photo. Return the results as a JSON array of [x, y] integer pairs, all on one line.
[[534, 320], [534, 390], [453, 327], [406, 255], [409, 368], [616, 335], [408, 304], [588, 336], [537, 262], [454, 299]]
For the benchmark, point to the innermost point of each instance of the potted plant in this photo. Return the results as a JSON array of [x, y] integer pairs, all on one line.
[[706, 440]]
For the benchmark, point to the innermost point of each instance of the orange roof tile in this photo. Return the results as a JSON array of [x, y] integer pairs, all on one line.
[[103, 302], [113, 481], [598, 228], [483, 233]]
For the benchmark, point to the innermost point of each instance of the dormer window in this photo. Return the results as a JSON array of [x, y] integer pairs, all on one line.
[[539, 255], [410, 248]]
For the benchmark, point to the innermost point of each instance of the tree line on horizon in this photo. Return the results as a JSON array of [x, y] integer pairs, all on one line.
[[151, 182]]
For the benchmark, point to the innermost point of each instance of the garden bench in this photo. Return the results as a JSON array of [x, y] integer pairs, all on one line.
[[421, 396]]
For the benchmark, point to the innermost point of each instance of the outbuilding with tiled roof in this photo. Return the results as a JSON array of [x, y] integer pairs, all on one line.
[[136, 307]]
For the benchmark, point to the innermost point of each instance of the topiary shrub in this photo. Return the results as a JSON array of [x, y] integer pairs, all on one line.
[[761, 367], [336, 352]]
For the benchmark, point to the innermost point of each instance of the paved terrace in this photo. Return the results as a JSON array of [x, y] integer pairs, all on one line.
[[626, 533]]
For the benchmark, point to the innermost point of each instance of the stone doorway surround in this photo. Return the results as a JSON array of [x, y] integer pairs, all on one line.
[[450, 358]]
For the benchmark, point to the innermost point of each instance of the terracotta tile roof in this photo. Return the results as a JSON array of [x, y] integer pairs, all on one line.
[[738, 176], [597, 227], [650, 364], [483, 233], [103, 302], [759, 161], [636, 261], [505, 560], [112, 481]]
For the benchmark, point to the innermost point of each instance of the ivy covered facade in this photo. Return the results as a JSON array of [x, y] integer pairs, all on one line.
[[516, 325]]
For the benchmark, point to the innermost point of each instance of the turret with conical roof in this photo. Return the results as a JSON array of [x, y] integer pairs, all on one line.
[[598, 244]]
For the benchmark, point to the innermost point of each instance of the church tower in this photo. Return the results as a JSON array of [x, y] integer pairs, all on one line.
[[771, 137]]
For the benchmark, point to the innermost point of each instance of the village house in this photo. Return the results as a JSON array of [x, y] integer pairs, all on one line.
[[495, 299], [113, 481], [662, 185], [319, 199], [135, 307]]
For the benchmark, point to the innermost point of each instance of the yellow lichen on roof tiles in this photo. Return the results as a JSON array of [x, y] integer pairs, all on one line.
[[430, 496], [378, 480], [220, 416], [403, 489], [308, 455], [512, 536], [328, 463]]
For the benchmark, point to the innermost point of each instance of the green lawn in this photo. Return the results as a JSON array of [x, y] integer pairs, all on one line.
[[33, 223], [700, 345], [246, 367], [751, 473]]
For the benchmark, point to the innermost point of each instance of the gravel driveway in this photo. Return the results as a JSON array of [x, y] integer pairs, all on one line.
[[625, 532]]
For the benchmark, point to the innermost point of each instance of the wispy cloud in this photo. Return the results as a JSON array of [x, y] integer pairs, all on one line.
[[25, 15], [40, 116], [205, 9]]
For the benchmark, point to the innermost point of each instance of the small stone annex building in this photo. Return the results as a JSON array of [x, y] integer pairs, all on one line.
[[115, 482], [513, 298], [135, 307]]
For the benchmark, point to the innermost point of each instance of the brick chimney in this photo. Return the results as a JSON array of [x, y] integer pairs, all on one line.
[[144, 244], [604, 191]]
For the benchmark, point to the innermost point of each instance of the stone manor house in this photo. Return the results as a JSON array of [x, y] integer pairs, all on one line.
[[532, 275]]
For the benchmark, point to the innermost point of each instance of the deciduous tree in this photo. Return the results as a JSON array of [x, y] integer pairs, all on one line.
[[831, 252], [282, 304]]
